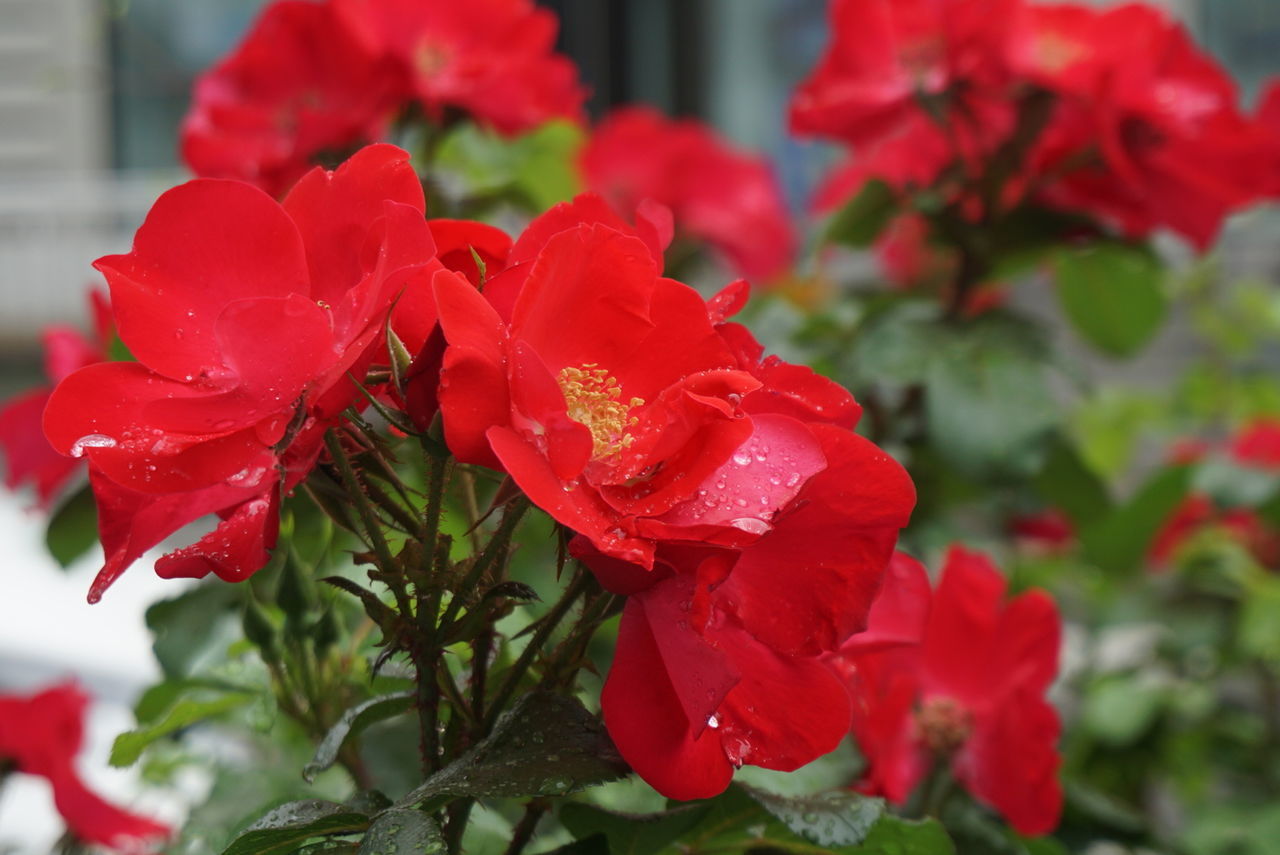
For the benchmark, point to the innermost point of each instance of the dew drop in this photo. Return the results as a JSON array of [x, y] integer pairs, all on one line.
[[93, 440]]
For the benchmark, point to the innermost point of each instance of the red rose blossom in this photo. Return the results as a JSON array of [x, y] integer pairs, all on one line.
[[298, 87], [41, 734], [959, 677], [492, 59], [245, 316], [1148, 131], [717, 194], [719, 657], [30, 458]]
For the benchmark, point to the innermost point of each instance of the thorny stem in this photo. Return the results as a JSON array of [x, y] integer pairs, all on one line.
[[372, 525], [523, 832], [545, 627]]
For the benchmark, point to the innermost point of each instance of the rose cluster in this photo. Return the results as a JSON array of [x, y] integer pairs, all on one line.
[[1113, 112], [316, 80]]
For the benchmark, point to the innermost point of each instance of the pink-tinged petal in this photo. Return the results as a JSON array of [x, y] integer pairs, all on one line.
[[785, 712], [29, 456], [833, 544], [90, 819], [900, 612], [761, 477], [473, 391], [579, 508], [130, 523], [960, 642], [66, 350], [237, 548], [1011, 762], [203, 245], [647, 721]]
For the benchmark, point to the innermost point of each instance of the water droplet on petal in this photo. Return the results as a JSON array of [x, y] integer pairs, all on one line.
[[93, 440]]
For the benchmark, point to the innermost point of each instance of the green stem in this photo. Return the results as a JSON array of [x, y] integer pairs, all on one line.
[[545, 627], [493, 553], [523, 832], [372, 524]]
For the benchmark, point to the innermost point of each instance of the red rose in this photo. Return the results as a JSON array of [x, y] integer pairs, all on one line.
[[492, 59], [30, 458], [1258, 444], [719, 657], [300, 86], [41, 734], [959, 678], [246, 317], [725, 197], [1149, 131]]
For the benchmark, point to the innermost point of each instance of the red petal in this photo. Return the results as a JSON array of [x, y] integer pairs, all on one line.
[[885, 691], [203, 245], [646, 719], [1011, 762], [130, 523], [92, 820], [29, 455], [578, 507], [235, 550], [834, 542], [900, 611], [960, 640]]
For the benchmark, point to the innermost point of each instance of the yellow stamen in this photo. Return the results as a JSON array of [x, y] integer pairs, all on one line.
[[594, 399]]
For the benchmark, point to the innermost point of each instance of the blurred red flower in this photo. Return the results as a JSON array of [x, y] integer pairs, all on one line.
[[298, 89], [958, 677], [41, 734], [222, 411], [29, 456], [717, 194], [493, 60]]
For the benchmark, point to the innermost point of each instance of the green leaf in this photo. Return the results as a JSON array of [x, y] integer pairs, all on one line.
[[73, 528], [631, 834], [1112, 293], [897, 344], [1258, 632], [896, 836], [836, 818], [989, 409], [536, 169], [546, 745], [286, 828], [1119, 710], [1118, 542], [194, 625], [596, 844], [352, 722], [860, 222], [1066, 482], [128, 746], [402, 832]]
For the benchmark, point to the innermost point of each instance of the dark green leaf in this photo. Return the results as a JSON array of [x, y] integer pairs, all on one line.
[[836, 818], [1118, 542], [1067, 483], [286, 828], [631, 834], [545, 745], [896, 836], [596, 844], [128, 746], [352, 722], [1112, 293], [860, 222], [187, 627], [73, 528], [402, 832]]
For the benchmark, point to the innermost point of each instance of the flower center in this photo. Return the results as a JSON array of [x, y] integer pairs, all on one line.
[[594, 399], [943, 725]]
